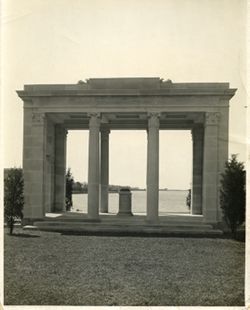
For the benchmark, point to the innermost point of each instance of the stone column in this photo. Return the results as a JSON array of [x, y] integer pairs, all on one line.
[[104, 170], [60, 168], [210, 168], [196, 192], [93, 172], [34, 140], [153, 168]]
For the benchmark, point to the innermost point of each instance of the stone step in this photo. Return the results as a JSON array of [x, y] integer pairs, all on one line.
[[125, 224], [107, 228], [75, 217]]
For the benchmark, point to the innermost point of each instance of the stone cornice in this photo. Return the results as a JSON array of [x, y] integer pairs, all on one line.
[[224, 93]]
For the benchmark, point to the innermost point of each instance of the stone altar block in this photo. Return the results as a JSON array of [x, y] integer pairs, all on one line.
[[125, 202]]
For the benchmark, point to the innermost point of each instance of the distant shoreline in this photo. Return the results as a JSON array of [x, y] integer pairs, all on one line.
[[136, 190]]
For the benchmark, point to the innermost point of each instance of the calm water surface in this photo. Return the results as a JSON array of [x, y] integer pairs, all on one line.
[[169, 202]]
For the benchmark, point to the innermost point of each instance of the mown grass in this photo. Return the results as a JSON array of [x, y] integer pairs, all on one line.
[[53, 269]]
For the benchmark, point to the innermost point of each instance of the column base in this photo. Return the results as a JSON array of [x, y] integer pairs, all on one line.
[[93, 218], [59, 207], [104, 211], [210, 220], [120, 213], [154, 221], [196, 211]]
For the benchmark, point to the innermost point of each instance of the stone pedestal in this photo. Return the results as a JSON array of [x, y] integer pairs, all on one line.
[[104, 170], [93, 172], [153, 168], [125, 202]]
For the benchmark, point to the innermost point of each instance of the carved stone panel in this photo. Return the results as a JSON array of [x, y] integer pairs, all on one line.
[[38, 118], [212, 118]]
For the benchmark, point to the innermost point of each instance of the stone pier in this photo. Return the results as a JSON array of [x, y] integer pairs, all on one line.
[[104, 170], [93, 174], [60, 168], [196, 192]]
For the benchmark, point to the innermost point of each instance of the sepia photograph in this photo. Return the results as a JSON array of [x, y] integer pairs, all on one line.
[[124, 137]]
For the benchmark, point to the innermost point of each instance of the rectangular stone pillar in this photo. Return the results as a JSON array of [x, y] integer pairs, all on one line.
[[104, 170], [153, 168], [93, 172], [33, 165], [210, 168], [223, 147], [196, 192], [60, 168]]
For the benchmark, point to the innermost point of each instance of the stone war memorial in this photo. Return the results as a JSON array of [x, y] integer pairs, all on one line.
[[100, 105]]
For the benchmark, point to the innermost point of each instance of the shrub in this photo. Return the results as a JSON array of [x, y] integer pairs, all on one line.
[[13, 197], [232, 194], [188, 199]]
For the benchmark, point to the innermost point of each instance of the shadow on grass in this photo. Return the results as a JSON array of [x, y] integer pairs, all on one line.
[[139, 234], [23, 235], [240, 236]]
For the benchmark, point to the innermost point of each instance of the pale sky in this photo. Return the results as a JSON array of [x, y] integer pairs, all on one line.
[[127, 158], [64, 41]]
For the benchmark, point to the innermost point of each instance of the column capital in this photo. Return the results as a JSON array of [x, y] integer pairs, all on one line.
[[105, 131], [196, 117], [212, 118], [105, 134], [153, 119], [104, 119], [94, 120], [38, 118]]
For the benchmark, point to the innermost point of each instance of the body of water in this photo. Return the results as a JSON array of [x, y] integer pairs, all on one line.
[[169, 202]]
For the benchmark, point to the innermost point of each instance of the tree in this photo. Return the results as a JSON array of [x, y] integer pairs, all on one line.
[[13, 197], [188, 199], [233, 193], [69, 189]]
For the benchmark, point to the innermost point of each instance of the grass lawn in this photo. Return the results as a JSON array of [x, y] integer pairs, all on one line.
[[42, 268]]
